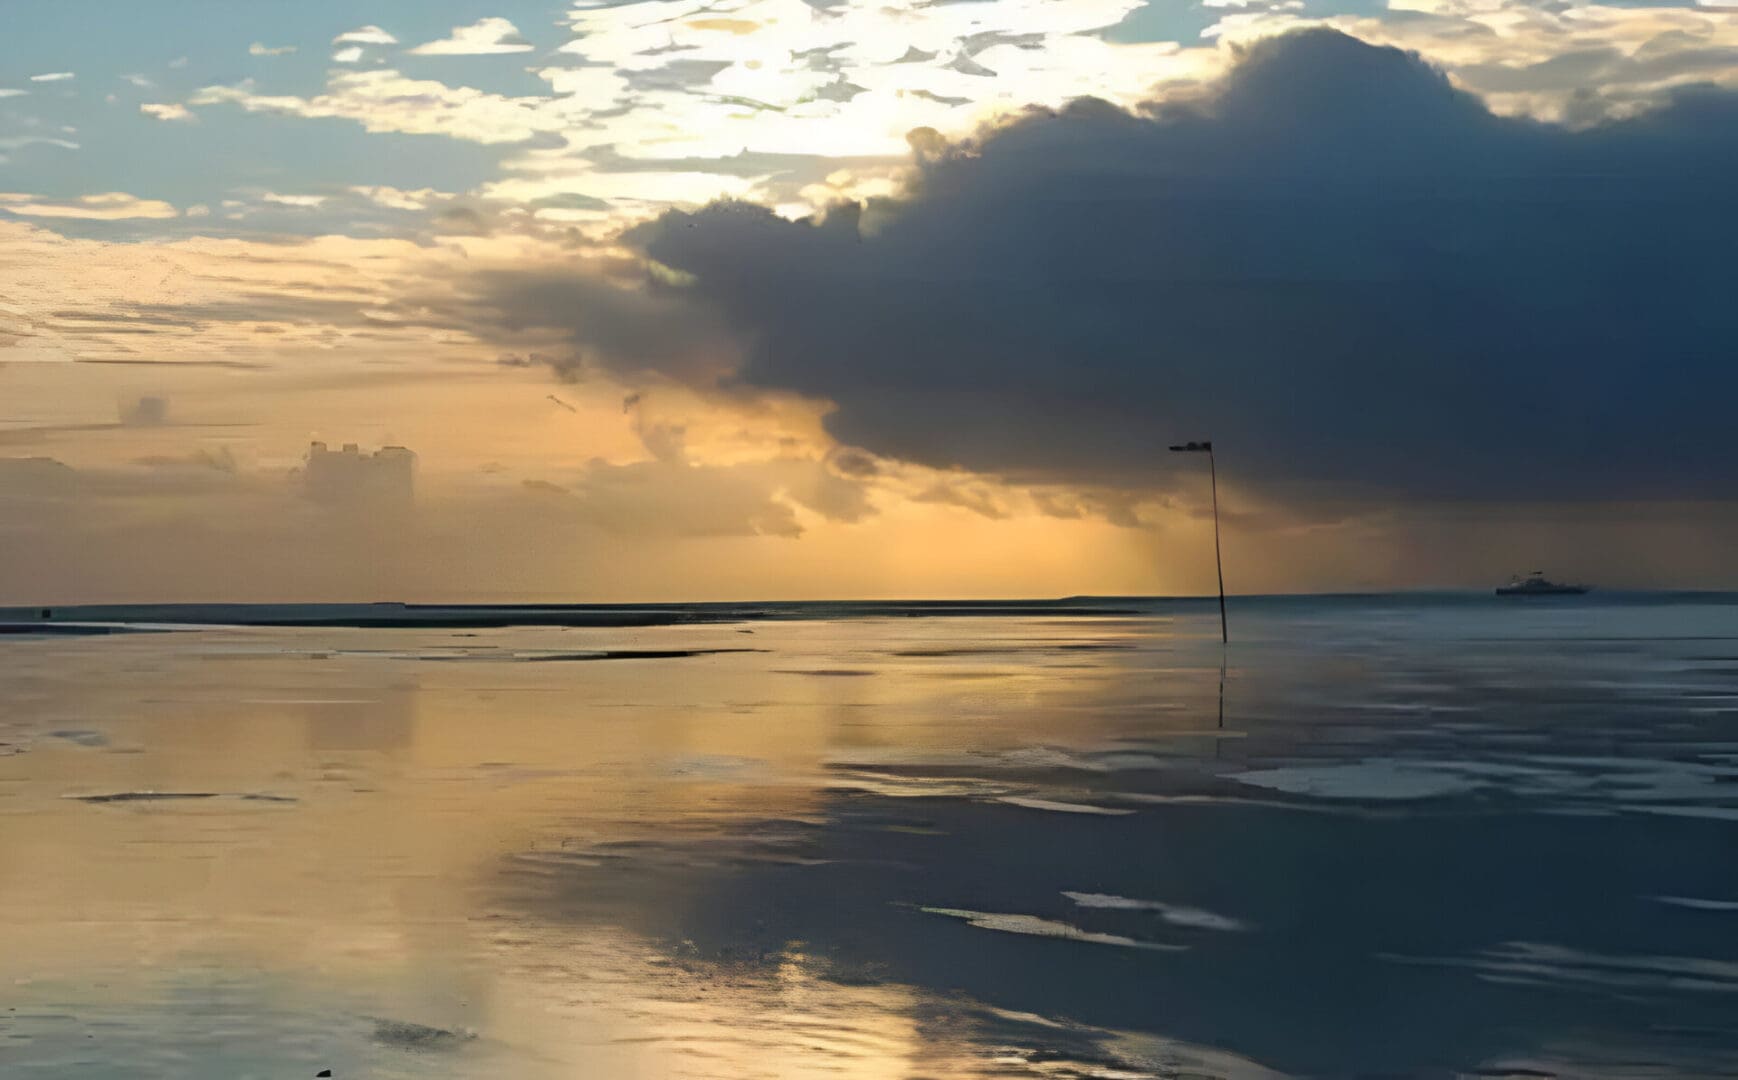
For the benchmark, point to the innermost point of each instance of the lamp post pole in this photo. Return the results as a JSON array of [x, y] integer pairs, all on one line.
[[1206, 447]]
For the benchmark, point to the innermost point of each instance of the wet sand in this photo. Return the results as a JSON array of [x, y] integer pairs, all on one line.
[[1398, 838]]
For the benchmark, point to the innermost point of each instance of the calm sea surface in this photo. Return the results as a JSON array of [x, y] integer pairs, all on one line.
[[1402, 837]]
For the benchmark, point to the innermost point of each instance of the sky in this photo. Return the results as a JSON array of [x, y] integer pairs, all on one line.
[[677, 299]]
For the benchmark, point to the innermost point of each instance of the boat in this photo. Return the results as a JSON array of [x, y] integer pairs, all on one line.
[[1535, 584]]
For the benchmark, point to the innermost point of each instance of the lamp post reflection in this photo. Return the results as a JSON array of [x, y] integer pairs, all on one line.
[[1206, 447]]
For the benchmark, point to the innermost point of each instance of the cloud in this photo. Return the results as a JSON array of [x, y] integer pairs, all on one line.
[[219, 459], [651, 105], [461, 221], [399, 198], [112, 206], [14, 142], [671, 495], [1570, 63], [261, 49], [365, 35], [54, 76], [623, 328], [35, 477], [569, 367], [387, 101], [667, 498], [977, 498], [246, 303], [1117, 507], [384, 479], [147, 411], [849, 461], [167, 112], [486, 37], [1351, 275], [297, 202], [201, 525], [9, 92]]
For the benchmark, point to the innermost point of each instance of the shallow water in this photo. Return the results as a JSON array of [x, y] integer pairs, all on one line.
[[1399, 838]]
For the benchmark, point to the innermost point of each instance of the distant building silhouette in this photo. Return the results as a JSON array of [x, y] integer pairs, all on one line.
[[385, 478]]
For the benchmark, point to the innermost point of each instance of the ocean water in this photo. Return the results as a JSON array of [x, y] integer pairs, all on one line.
[[1395, 836]]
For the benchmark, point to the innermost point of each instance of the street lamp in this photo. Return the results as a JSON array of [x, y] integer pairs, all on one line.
[[1218, 563]]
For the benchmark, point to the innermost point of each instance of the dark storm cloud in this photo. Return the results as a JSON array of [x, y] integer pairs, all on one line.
[[1349, 274], [569, 367], [620, 326]]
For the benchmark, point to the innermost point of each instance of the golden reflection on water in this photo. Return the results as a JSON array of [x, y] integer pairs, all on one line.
[[365, 792]]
